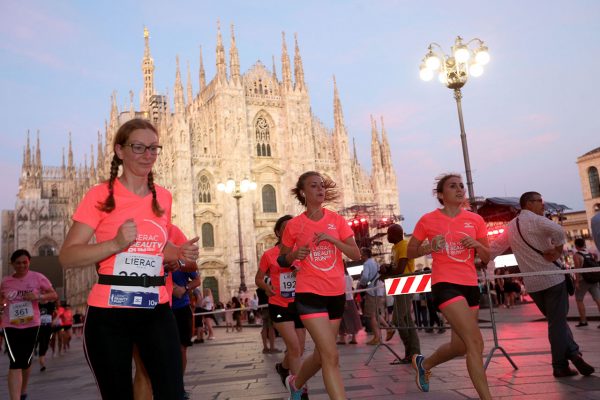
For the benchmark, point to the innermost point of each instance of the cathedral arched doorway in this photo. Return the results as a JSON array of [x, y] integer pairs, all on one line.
[[213, 284]]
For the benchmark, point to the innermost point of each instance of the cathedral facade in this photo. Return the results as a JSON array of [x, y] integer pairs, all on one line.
[[255, 126]]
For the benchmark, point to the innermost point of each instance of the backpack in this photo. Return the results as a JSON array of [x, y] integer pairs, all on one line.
[[589, 262]]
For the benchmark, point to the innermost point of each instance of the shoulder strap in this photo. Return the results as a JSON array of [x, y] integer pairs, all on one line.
[[533, 248]]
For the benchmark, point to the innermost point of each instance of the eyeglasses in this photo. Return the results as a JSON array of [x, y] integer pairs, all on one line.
[[138, 148]]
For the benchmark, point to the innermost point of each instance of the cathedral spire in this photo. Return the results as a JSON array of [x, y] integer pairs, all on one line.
[[27, 155], [338, 115], [131, 107], [100, 158], [286, 73], [92, 166], [354, 150], [70, 165], [38, 154], [202, 73], [298, 69], [386, 154], [63, 167], [190, 90], [114, 112], [375, 148], [148, 72], [179, 100], [234, 60], [274, 70], [221, 67]]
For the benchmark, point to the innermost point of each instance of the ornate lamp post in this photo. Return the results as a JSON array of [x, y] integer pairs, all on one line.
[[453, 71], [237, 190]]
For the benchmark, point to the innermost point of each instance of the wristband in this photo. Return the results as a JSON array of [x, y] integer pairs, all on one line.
[[283, 262]]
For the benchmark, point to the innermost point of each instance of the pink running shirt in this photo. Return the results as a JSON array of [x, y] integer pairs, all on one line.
[[285, 289], [322, 271], [454, 263], [151, 240], [20, 313]]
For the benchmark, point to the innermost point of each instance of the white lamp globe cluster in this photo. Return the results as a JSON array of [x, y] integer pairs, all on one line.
[[453, 70]]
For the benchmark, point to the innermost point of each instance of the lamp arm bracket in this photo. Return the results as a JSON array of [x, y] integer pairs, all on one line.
[[475, 40]]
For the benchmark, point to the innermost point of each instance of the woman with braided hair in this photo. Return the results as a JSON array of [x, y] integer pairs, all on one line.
[[129, 217]]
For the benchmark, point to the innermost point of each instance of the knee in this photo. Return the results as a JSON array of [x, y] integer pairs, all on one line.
[[330, 358], [475, 345]]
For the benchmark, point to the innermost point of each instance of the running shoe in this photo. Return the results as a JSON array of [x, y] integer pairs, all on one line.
[[423, 374], [295, 394], [304, 393], [283, 372]]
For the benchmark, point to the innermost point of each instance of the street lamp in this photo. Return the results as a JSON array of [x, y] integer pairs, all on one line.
[[237, 190], [453, 71]]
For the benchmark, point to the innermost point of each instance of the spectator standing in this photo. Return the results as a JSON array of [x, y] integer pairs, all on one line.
[[350, 325], [585, 283], [402, 318], [374, 309], [537, 243]]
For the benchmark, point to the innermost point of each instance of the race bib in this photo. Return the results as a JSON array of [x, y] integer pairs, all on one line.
[[134, 264], [287, 285], [46, 319], [21, 312]]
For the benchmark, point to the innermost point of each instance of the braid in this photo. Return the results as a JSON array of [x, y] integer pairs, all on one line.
[[158, 211], [109, 202]]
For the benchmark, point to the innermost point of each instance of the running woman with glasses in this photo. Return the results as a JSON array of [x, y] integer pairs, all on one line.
[[318, 238], [129, 216], [454, 236]]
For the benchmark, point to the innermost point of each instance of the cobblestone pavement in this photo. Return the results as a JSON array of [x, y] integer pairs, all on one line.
[[233, 367]]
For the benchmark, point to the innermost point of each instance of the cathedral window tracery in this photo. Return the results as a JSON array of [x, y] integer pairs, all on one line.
[[263, 138], [208, 236], [204, 190], [269, 199]]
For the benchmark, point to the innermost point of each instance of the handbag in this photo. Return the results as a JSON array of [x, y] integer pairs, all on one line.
[[568, 277]]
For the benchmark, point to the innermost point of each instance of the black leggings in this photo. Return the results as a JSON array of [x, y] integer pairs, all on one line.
[[109, 335], [44, 339]]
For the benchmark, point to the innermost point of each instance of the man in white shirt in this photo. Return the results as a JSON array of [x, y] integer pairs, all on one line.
[[549, 291]]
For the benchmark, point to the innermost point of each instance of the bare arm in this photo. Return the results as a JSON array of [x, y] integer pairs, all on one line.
[[77, 251], [481, 246], [578, 261], [414, 248], [45, 295], [259, 280], [348, 246], [188, 251]]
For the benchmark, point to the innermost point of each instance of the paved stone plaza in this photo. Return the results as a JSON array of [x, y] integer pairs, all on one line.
[[233, 367]]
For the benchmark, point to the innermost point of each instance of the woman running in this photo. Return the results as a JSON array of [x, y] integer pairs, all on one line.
[[318, 238], [282, 309], [129, 216], [455, 236], [21, 293]]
